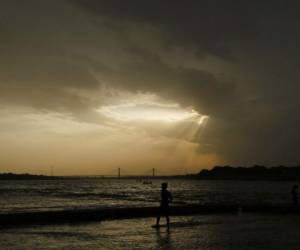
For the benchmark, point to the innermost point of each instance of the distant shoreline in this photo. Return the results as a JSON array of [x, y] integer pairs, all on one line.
[[11, 176], [255, 173]]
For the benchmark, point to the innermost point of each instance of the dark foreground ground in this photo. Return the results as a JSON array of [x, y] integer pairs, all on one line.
[[215, 232]]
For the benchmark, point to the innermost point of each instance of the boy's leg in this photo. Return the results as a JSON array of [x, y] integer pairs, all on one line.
[[168, 220], [157, 220]]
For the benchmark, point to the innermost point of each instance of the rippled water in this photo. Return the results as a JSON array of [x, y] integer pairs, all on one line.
[[41, 195], [209, 232]]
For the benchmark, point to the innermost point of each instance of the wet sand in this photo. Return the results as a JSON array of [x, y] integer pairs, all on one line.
[[246, 231]]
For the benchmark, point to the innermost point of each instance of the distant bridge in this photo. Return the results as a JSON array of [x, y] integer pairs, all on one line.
[[119, 173]]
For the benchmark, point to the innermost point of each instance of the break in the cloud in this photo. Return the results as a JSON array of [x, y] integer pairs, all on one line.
[[63, 61]]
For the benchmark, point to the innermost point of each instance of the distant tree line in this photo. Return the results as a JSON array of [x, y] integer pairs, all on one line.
[[256, 172], [11, 176]]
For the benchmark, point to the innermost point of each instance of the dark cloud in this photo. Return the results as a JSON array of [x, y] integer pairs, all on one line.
[[190, 87], [38, 62], [51, 47], [207, 26]]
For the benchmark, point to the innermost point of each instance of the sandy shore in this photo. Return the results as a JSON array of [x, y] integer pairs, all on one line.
[[193, 232]]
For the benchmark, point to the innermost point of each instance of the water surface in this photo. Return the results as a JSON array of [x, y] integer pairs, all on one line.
[[44, 195], [213, 232]]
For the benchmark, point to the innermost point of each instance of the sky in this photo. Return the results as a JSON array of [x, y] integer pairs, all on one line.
[[88, 86]]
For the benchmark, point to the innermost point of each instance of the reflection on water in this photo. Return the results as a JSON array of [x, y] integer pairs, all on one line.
[[78, 193], [205, 232], [164, 239]]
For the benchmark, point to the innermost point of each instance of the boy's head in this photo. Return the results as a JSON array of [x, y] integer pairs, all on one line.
[[164, 186]]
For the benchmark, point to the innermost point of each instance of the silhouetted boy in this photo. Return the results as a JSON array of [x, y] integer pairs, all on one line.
[[164, 209], [295, 195]]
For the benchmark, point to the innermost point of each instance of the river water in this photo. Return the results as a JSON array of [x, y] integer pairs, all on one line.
[[45, 195], [207, 232]]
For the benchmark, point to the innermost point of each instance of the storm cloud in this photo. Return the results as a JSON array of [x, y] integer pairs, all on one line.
[[233, 61]]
